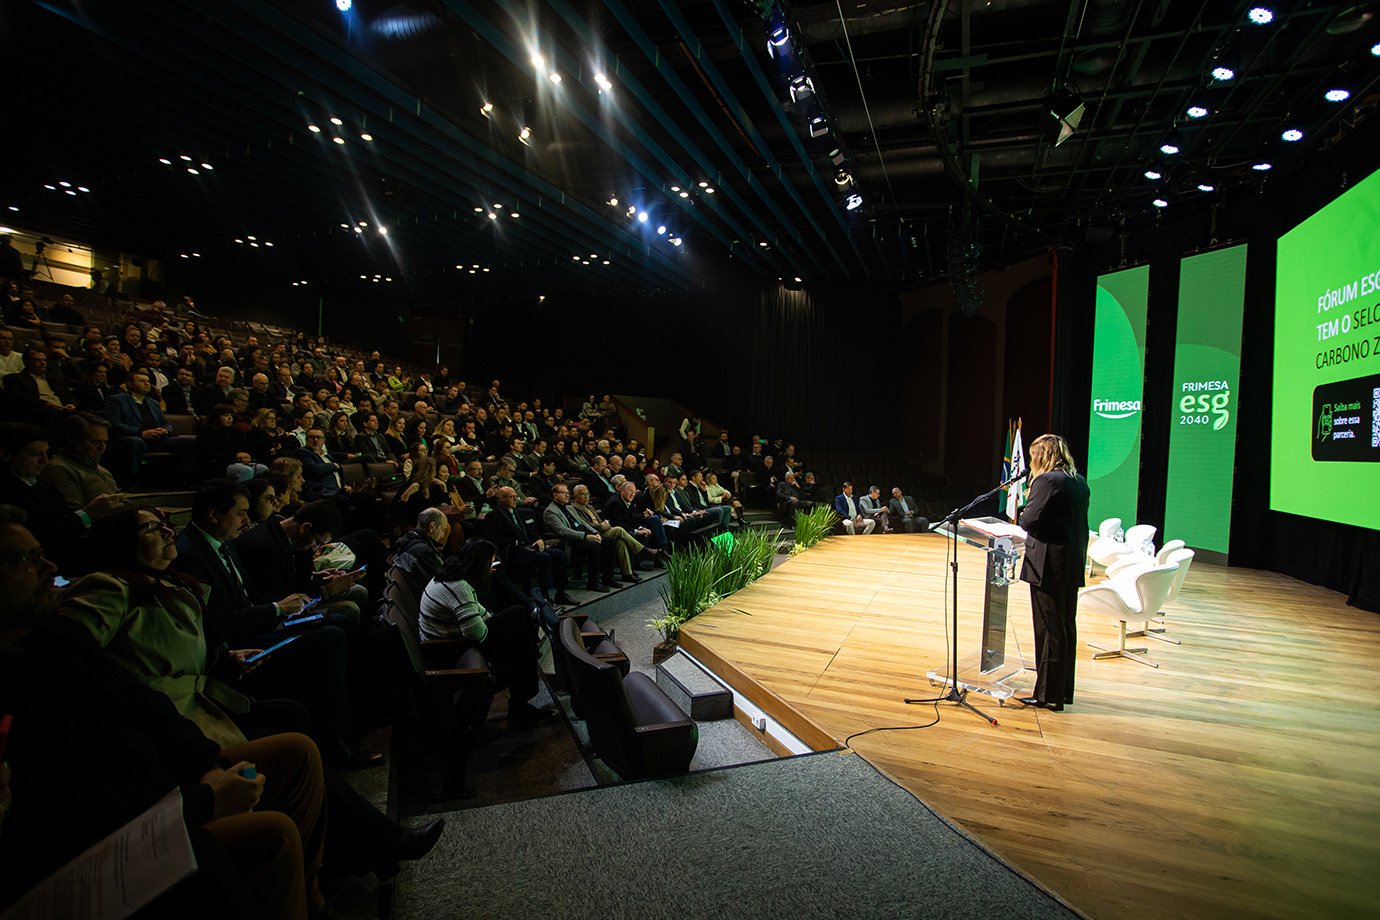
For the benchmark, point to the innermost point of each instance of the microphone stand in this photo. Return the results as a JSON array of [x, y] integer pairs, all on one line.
[[956, 694]]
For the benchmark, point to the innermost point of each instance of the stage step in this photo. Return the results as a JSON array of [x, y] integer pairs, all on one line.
[[694, 689]]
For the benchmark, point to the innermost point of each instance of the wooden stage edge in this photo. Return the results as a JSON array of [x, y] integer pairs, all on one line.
[[1241, 777]]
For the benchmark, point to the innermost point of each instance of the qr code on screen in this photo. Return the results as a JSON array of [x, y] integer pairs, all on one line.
[[1375, 417]]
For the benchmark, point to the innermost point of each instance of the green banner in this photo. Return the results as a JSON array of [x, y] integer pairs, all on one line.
[[1325, 405], [1207, 369], [1118, 379]]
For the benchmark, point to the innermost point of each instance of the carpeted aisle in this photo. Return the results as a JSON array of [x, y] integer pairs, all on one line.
[[816, 836]]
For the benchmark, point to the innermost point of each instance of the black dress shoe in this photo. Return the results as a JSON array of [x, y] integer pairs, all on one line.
[[1030, 701], [344, 757], [632, 578], [598, 588], [564, 600], [413, 844], [527, 714], [1055, 707]]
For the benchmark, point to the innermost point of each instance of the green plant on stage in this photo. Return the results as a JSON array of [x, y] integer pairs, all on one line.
[[698, 577], [813, 525]]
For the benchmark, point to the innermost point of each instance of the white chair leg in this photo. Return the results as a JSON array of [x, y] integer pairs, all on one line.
[[1121, 651], [1159, 632]]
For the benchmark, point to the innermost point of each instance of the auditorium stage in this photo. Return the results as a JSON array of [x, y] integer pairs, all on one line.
[[1238, 778]]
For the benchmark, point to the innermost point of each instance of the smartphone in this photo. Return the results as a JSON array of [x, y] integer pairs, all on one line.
[[5, 722], [362, 569], [269, 651], [309, 604], [60, 582], [310, 619]]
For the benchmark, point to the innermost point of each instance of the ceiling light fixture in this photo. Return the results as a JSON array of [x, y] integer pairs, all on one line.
[[165, 161], [661, 230], [613, 201], [675, 188], [1263, 167], [513, 214], [802, 87], [1153, 175], [344, 5], [492, 216], [778, 36], [184, 158], [843, 178], [709, 189], [854, 202], [555, 77], [1206, 187], [1160, 203], [366, 137], [486, 108], [525, 134], [193, 171], [685, 194], [1197, 111], [1292, 135], [641, 217], [818, 126], [65, 184], [1172, 145], [336, 121], [1261, 15], [1223, 72], [603, 82], [1375, 50], [1337, 95], [675, 241], [338, 139], [314, 129]]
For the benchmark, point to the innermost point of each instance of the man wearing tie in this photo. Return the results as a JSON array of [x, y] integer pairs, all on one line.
[[587, 545], [904, 515]]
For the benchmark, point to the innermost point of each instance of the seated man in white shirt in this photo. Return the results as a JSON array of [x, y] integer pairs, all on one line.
[[853, 518], [873, 507]]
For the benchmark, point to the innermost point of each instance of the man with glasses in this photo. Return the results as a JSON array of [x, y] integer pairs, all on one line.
[[76, 471], [587, 546], [320, 470], [23, 455]]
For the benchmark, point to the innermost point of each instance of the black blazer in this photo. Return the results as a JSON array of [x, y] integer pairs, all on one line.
[[599, 488], [266, 551], [629, 517], [230, 613], [1056, 522], [506, 531], [178, 402]]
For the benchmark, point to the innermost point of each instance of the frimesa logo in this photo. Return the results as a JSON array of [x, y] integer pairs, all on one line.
[[1114, 408], [1202, 405]]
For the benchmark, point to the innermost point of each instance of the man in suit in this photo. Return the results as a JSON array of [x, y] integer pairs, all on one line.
[[904, 513], [847, 509], [216, 393], [587, 546], [526, 556], [1055, 519], [31, 393], [874, 508], [179, 397], [598, 480], [319, 469], [473, 490], [721, 450], [622, 511], [312, 670], [137, 425], [259, 396]]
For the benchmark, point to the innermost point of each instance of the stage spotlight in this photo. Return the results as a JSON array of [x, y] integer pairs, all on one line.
[[366, 137], [344, 5], [631, 210], [525, 134], [1172, 145], [843, 178], [661, 230], [709, 189], [685, 194], [818, 126], [779, 35], [167, 162], [1375, 50], [1197, 111], [854, 202], [836, 156], [641, 217], [1261, 15], [675, 188], [802, 87], [1292, 135], [338, 139], [1154, 175], [555, 77], [313, 129], [336, 121], [1067, 111], [1337, 95], [603, 82], [1160, 203], [704, 184], [486, 108], [675, 241], [1206, 187], [1262, 167], [613, 201]]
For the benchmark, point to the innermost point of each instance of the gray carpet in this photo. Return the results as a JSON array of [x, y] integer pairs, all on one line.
[[815, 836]]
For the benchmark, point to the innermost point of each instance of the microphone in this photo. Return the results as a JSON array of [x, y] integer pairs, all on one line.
[[1015, 479]]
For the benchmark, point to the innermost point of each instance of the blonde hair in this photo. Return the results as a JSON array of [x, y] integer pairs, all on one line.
[[288, 466], [1051, 452]]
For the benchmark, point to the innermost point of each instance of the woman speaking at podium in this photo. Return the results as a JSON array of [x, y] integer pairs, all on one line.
[[1055, 519]]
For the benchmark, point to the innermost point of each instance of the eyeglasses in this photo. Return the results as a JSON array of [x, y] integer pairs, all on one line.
[[154, 526], [31, 557]]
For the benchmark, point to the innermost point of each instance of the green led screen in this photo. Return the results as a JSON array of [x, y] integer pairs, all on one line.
[[1325, 407], [1118, 377], [1207, 369]]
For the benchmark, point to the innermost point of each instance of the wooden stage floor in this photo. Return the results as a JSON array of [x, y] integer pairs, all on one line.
[[1240, 778]]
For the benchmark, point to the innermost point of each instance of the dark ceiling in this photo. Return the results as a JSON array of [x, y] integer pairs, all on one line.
[[940, 116]]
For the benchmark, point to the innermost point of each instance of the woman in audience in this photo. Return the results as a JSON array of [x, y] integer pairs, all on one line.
[[445, 459], [265, 439], [340, 438], [398, 381], [263, 498], [447, 430], [333, 382], [347, 401], [590, 410], [417, 454], [289, 497], [396, 437], [417, 431], [220, 449], [28, 317], [450, 609]]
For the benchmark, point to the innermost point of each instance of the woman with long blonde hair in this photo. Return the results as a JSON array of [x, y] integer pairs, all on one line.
[[1055, 519]]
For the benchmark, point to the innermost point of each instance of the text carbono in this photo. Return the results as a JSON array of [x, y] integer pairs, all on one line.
[[1351, 351]]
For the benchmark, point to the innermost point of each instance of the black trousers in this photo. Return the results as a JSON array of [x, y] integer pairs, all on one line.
[[596, 558], [1056, 642], [511, 646]]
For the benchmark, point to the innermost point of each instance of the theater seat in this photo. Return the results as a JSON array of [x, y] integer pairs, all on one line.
[[634, 727]]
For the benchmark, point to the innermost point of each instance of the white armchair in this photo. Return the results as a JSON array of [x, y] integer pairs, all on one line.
[[1141, 538], [1107, 546], [1138, 560], [1136, 597]]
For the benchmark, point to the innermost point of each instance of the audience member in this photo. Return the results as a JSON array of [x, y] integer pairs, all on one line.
[[851, 515]]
